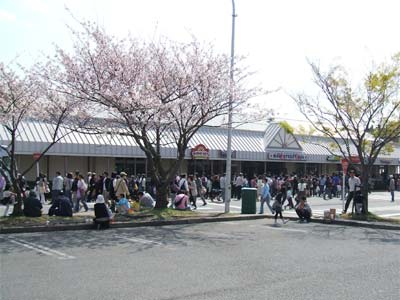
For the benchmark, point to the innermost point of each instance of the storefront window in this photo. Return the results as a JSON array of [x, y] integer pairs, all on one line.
[[132, 166]]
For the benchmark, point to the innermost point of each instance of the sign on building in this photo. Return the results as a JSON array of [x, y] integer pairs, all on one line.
[[291, 156], [200, 152]]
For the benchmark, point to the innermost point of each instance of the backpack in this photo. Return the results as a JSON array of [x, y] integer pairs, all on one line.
[[74, 186], [84, 186]]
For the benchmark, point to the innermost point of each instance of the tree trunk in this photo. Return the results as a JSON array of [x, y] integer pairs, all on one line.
[[365, 187], [162, 196]]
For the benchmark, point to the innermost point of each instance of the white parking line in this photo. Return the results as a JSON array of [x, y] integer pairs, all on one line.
[[285, 229], [277, 228], [142, 241], [41, 249]]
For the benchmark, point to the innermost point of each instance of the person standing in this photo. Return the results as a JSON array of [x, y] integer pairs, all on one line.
[[142, 183], [222, 180], [68, 181], [354, 185], [2, 185], [42, 188], [74, 189], [106, 187], [199, 187], [183, 185], [57, 186], [277, 207], [192, 191], [265, 197], [121, 185], [392, 187], [81, 194], [239, 184]]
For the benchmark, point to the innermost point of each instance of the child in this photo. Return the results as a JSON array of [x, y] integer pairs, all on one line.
[[277, 207], [123, 205]]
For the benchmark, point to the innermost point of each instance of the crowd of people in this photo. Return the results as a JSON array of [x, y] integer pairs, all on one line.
[[117, 192], [70, 193]]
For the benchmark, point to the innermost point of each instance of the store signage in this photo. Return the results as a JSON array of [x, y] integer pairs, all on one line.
[[287, 156], [200, 152], [222, 154], [355, 159], [345, 165], [333, 158], [386, 161]]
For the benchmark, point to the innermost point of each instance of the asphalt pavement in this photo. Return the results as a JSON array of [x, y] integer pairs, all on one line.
[[230, 260]]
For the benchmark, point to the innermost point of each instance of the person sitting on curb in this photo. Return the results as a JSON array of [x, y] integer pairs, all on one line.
[[7, 198], [146, 200], [181, 202], [102, 213], [123, 205], [303, 210], [61, 207], [32, 206]]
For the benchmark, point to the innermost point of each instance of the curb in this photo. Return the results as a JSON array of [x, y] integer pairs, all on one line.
[[90, 226]]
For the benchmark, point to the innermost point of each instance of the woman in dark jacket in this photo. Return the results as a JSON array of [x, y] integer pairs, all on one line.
[[32, 206], [61, 206], [102, 213]]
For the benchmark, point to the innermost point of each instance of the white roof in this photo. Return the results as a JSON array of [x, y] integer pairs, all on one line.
[[34, 136]]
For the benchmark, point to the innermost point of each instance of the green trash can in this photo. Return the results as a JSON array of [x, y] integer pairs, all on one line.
[[249, 198]]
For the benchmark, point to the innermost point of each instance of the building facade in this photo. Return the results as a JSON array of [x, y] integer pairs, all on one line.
[[273, 151]]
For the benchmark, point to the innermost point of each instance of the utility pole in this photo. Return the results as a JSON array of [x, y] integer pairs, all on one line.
[[228, 180]]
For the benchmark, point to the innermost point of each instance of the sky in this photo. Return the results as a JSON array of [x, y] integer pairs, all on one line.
[[277, 37]]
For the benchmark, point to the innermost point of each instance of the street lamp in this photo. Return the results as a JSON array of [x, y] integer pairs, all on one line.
[[229, 147]]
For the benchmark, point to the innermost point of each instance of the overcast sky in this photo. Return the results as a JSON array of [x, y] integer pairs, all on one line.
[[277, 36]]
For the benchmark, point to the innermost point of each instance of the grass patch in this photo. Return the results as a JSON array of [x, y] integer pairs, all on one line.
[[43, 220], [370, 217], [141, 216]]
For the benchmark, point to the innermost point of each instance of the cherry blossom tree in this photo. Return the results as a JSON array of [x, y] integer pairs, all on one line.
[[160, 93], [365, 118], [28, 98]]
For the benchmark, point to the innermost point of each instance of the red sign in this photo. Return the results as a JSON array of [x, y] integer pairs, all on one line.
[[345, 165], [200, 152], [36, 155], [355, 159]]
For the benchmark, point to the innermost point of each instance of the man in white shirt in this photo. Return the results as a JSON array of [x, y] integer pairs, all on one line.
[[239, 184], [222, 186], [354, 186], [57, 186], [183, 184], [146, 200]]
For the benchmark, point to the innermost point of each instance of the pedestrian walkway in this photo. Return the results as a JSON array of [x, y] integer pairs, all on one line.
[[379, 204]]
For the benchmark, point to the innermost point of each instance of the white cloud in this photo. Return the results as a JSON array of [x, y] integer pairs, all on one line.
[[7, 16], [37, 6]]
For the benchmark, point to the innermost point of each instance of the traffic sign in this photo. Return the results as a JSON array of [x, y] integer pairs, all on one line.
[[345, 165], [36, 155]]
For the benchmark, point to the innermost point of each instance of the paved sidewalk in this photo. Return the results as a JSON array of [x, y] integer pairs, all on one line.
[[213, 212]]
